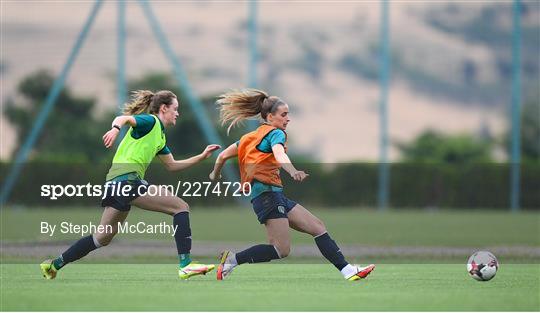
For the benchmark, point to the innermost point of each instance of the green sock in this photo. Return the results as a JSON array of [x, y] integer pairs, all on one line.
[[184, 259], [58, 263]]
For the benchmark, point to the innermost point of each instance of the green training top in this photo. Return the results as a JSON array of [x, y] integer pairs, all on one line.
[[135, 153]]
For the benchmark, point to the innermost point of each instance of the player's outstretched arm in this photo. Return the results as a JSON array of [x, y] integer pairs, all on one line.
[[226, 154], [286, 164], [173, 165], [117, 123]]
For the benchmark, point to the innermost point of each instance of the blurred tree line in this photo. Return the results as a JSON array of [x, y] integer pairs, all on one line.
[[73, 132], [435, 147], [436, 169]]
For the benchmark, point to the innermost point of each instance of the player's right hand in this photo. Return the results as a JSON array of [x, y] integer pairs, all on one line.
[[209, 149], [110, 137]]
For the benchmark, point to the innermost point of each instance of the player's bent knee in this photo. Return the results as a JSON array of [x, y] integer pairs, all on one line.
[[283, 250], [180, 206]]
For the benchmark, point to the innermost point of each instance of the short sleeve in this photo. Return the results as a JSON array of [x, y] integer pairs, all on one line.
[[145, 123], [165, 150], [277, 136]]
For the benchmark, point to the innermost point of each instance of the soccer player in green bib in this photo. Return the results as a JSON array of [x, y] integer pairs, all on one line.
[[147, 115]]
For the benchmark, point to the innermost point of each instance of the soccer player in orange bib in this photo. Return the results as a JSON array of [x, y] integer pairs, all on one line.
[[261, 154]]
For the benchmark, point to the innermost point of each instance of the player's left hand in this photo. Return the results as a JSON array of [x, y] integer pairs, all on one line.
[[209, 149], [213, 177], [299, 175]]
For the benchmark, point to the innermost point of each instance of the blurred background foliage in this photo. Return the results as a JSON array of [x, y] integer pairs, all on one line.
[[436, 169]]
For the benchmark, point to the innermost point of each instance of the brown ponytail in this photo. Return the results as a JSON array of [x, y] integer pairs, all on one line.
[[145, 101], [239, 105]]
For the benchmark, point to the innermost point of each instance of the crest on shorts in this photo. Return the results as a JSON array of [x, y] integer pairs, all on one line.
[[281, 209]]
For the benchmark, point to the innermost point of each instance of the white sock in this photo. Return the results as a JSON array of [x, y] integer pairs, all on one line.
[[231, 259], [96, 242], [349, 271]]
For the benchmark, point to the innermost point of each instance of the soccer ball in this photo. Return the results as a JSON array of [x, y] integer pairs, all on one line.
[[482, 265]]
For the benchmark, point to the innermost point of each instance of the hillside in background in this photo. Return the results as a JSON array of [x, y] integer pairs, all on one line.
[[451, 62]]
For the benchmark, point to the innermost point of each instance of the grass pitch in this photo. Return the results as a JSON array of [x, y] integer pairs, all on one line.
[[269, 287], [347, 225], [288, 285]]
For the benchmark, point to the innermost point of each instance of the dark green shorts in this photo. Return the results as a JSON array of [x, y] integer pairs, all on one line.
[[271, 205], [119, 194]]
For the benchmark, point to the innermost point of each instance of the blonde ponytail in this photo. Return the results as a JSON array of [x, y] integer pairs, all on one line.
[[140, 103], [239, 105], [145, 101]]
